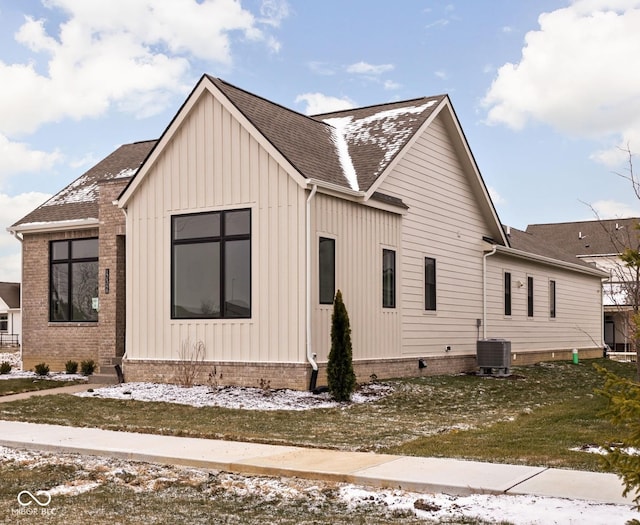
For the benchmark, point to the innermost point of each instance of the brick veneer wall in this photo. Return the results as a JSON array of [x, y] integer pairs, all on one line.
[[298, 375], [42, 341], [56, 343]]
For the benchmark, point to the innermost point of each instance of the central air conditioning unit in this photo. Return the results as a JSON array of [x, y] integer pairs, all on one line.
[[494, 357]]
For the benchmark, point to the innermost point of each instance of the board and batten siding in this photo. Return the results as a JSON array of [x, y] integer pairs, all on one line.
[[444, 222], [578, 321], [213, 163], [361, 233]]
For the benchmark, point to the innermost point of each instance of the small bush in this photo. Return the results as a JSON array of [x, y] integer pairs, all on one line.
[[87, 367], [42, 369], [5, 367], [71, 367], [340, 373]]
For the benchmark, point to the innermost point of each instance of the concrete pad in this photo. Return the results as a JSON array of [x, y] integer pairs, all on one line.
[[574, 484], [450, 476], [328, 465]]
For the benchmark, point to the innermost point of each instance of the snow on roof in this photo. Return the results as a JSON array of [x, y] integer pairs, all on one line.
[[387, 129], [77, 191]]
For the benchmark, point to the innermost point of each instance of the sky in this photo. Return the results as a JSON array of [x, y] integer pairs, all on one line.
[[547, 91]]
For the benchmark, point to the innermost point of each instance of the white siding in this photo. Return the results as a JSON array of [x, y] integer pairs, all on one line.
[[361, 233], [213, 163]]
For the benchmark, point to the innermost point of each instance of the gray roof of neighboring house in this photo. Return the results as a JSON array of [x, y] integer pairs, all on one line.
[[79, 200], [538, 245], [595, 237], [10, 294]]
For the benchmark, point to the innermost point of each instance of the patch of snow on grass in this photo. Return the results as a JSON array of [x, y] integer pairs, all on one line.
[[246, 398]]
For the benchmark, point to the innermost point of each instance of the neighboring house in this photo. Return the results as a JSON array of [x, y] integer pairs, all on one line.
[[244, 219], [600, 242], [10, 314]]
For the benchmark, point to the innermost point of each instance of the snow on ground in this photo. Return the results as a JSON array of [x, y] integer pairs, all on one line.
[[246, 398], [146, 477], [13, 358]]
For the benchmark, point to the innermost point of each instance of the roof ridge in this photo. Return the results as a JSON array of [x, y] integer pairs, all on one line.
[[371, 106]]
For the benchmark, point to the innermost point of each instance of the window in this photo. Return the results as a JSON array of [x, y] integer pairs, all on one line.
[[4, 322], [429, 283], [507, 293], [388, 279], [211, 265], [552, 299], [327, 270], [73, 273], [530, 296]]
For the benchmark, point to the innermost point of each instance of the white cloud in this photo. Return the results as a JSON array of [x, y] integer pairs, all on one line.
[[495, 196], [610, 209], [442, 75], [131, 54], [17, 157], [319, 103], [391, 85], [576, 74], [12, 209], [363, 68]]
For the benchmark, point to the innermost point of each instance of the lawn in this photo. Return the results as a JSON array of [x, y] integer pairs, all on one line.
[[27, 384], [533, 418]]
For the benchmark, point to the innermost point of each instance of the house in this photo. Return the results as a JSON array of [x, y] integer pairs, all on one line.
[[10, 315], [245, 217], [600, 242]]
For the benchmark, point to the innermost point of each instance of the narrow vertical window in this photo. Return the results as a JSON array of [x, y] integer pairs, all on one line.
[[507, 293], [388, 279], [530, 296], [552, 299], [327, 270], [429, 283]]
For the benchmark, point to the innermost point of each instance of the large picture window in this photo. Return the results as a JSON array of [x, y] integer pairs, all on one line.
[[73, 276], [211, 265], [327, 270]]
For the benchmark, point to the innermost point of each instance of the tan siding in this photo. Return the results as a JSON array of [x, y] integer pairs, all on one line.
[[213, 163], [444, 222], [578, 321], [361, 233]]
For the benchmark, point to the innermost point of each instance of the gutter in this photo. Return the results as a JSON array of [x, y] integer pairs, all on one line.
[[311, 357], [43, 227], [484, 289], [553, 262]]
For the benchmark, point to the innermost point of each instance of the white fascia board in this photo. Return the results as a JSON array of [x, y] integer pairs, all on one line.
[[43, 227], [335, 190], [553, 262]]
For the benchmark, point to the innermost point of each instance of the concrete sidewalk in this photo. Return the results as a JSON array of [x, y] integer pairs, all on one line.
[[376, 470]]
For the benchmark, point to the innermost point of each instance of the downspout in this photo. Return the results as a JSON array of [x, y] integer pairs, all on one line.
[[484, 290], [311, 357]]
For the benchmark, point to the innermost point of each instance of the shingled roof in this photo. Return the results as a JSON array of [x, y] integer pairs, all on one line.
[[10, 294], [605, 237], [350, 148], [79, 200]]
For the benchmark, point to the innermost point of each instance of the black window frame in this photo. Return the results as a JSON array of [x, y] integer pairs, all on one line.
[[4, 323], [507, 294], [69, 261], [553, 307], [388, 278], [430, 285], [222, 239], [530, 302], [326, 275]]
